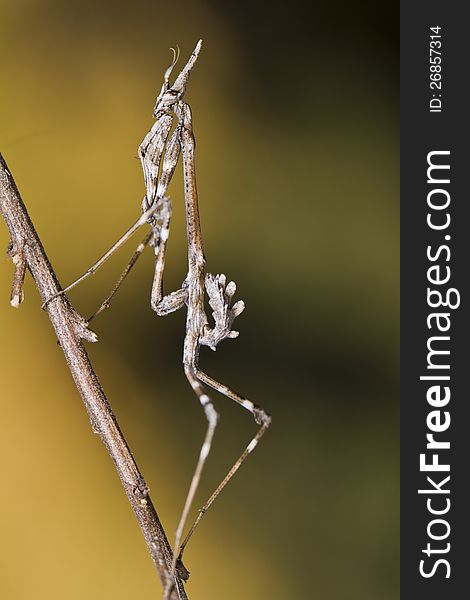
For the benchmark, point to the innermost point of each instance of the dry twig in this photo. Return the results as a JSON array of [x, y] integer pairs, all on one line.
[[26, 251]]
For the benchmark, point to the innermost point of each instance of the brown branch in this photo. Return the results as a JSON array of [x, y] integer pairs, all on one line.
[[26, 250]]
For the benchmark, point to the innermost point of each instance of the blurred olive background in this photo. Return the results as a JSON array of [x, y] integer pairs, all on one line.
[[295, 112]]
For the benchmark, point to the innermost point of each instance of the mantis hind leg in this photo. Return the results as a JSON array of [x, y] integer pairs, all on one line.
[[261, 418]]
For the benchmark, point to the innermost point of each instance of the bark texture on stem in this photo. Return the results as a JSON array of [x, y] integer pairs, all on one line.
[[26, 250]]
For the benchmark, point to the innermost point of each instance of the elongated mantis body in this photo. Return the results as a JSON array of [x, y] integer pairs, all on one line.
[[156, 210]]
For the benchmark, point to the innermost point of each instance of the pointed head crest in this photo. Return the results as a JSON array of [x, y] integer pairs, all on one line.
[[169, 95]]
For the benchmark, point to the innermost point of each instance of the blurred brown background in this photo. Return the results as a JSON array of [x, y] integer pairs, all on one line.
[[296, 119]]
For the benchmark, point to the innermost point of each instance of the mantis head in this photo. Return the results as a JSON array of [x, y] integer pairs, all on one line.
[[170, 95]]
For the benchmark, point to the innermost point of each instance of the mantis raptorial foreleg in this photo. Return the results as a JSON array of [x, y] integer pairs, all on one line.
[[150, 152]]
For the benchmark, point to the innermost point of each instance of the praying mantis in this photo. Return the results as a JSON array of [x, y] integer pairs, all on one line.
[[159, 154]]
